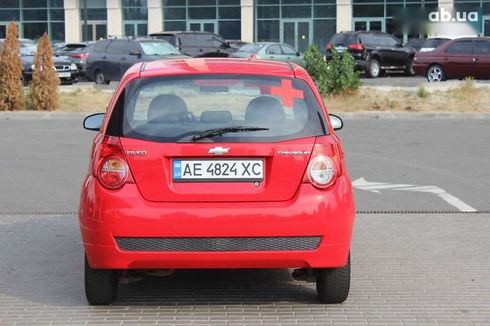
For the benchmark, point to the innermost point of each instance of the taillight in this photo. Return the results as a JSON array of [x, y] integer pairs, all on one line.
[[321, 171], [356, 46], [113, 172], [79, 55], [110, 165], [324, 166], [253, 56]]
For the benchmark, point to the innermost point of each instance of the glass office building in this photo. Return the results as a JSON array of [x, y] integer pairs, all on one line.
[[36, 17], [296, 22]]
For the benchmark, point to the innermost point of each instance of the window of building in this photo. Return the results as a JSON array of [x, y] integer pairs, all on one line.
[[96, 20], [296, 22], [35, 17], [403, 18], [135, 16], [217, 16]]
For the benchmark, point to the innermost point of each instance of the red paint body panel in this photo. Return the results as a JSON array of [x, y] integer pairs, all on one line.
[[283, 205], [124, 213]]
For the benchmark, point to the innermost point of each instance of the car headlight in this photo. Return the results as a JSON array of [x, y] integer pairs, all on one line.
[[33, 67], [73, 66]]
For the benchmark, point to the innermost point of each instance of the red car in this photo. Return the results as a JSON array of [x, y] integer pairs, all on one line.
[[216, 163], [460, 58]]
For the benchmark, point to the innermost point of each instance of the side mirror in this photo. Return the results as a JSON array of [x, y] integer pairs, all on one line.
[[298, 53], [93, 122], [336, 122], [135, 52]]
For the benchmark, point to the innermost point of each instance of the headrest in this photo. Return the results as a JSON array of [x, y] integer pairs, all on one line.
[[167, 108], [265, 109]]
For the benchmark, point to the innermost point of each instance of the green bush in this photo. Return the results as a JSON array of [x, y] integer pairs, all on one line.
[[422, 92], [341, 76], [315, 64], [338, 76]]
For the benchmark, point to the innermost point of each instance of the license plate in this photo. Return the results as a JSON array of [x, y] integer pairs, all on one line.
[[340, 48], [64, 74], [217, 170]]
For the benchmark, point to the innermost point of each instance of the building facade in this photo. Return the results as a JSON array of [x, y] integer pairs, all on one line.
[[296, 22]]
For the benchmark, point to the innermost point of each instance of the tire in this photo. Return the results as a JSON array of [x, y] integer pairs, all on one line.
[[333, 284], [100, 285], [409, 68], [435, 73], [100, 78], [373, 68]]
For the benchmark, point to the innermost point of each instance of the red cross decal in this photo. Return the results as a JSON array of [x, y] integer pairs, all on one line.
[[287, 92]]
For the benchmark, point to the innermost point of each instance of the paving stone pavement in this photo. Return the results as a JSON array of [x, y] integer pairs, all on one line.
[[412, 269]]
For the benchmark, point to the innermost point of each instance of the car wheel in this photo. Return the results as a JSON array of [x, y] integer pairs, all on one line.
[[100, 78], [374, 69], [333, 284], [100, 285], [435, 74]]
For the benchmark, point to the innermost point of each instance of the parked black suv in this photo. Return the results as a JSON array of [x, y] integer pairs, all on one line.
[[197, 44], [110, 59], [374, 52]]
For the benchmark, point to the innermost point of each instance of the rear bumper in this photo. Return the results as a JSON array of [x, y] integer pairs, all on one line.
[[106, 215], [73, 78]]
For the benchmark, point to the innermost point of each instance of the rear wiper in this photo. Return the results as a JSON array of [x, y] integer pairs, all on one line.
[[220, 131]]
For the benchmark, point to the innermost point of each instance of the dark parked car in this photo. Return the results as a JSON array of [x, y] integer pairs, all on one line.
[[375, 52], [110, 59], [460, 58], [66, 70], [197, 44], [79, 57]]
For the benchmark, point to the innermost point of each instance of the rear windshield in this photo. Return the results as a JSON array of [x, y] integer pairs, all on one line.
[[169, 38], [344, 39], [171, 109]]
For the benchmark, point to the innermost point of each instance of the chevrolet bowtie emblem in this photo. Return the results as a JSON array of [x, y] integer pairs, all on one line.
[[218, 150]]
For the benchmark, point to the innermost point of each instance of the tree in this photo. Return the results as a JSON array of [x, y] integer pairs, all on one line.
[[43, 93], [11, 90]]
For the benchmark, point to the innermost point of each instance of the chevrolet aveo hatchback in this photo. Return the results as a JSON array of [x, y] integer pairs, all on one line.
[[216, 163]]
